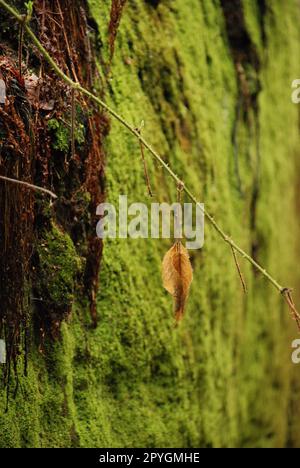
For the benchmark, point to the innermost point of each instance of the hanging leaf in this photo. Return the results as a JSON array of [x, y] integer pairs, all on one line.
[[177, 276]]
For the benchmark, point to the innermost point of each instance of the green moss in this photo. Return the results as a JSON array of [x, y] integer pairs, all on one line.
[[61, 139], [62, 134], [223, 378], [58, 267]]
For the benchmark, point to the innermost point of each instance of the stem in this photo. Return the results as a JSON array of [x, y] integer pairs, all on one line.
[[20, 51], [239, 270], [73, 111], [76, 86], [146, 173], [30, 186]]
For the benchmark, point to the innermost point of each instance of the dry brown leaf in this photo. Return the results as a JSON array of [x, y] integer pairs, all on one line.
[[177, 276]]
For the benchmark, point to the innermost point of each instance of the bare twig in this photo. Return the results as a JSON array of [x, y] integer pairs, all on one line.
[[20, 47], [73, 110], [178, 214], [66, 41], [239, 270], [30, 186], [146, 173], [287, 294]]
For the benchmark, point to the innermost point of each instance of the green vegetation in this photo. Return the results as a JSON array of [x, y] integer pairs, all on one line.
[[58, 267], [62, 134], [223, 378]]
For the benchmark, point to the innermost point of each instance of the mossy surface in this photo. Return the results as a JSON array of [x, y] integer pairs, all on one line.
[[62, 132], [224, 377], [58, 267]]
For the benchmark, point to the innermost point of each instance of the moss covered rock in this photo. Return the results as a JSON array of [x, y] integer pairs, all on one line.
[[224, 377]]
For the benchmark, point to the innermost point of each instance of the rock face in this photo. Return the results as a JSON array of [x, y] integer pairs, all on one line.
[[212, 81]]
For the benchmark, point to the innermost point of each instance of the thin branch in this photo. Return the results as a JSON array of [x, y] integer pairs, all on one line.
[[239, 270], [66, 41], [178, 215], [20, 47], [30, 186], [135, 132], [287, 294], [146, 173], [73, 111]]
